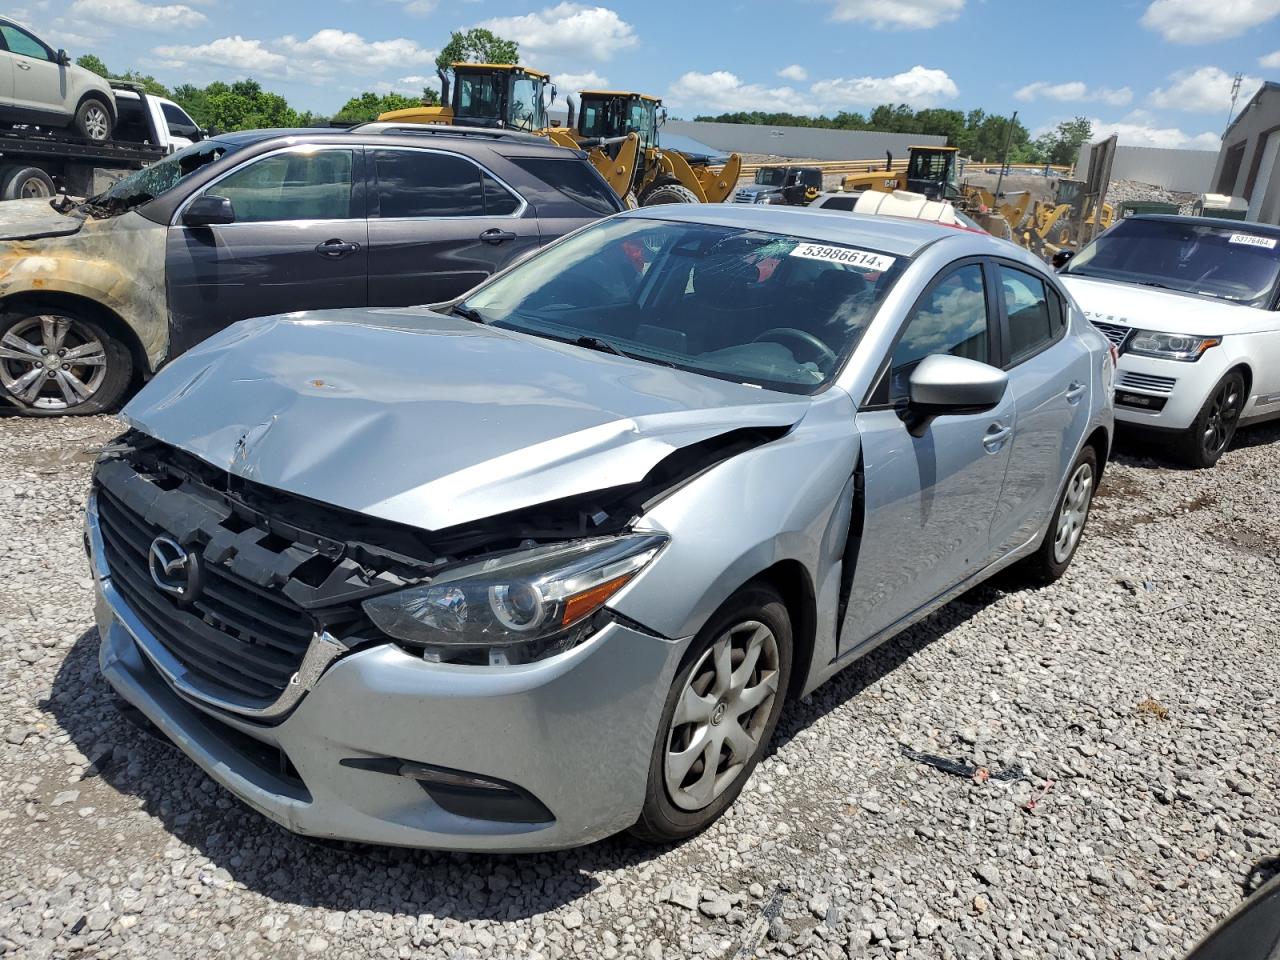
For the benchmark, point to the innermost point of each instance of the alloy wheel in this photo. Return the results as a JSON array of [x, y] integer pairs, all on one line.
[[1074, 512], [51, 362], [95, 123], [1224, 407], [722, 714]]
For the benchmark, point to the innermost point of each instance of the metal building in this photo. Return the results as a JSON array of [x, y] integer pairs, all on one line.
[[1249, 164]]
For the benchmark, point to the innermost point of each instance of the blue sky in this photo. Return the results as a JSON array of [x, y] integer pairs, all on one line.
[[1158, 72]]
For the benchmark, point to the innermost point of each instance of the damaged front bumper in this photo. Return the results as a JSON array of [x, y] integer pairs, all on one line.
[[382, 747]]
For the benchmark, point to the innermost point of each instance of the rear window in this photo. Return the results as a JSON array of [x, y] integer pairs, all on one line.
[[576, 179]]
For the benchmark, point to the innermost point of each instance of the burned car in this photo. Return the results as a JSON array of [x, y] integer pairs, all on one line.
[[545, 562], [94, 293]]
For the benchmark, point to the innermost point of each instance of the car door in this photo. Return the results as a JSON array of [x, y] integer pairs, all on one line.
[[439, 223], [1049, 379], [929, 499], [39, 83], [299, 242]]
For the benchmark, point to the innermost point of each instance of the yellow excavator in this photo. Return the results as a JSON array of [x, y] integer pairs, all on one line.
[[618, 130], [930, 171]]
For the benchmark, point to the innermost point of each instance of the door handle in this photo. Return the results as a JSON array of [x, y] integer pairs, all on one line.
[[995, 437], [336, 249], [23, 66], [497, 236], [1075, 392]]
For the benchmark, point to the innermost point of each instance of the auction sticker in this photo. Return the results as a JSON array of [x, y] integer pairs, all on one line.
[[864, 259], [1249, 240]]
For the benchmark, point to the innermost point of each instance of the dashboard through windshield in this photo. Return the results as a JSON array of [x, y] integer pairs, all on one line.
[[776, 311], [1228, 261]]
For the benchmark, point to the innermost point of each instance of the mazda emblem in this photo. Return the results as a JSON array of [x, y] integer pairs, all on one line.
[[172, 567]]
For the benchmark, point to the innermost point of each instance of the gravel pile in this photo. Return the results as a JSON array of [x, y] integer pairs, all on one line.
[[1128, 716], [1121, 190]]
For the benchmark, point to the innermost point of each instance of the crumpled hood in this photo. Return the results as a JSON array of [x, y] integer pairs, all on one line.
[[1150, 308], [31, 219], [431, 420]]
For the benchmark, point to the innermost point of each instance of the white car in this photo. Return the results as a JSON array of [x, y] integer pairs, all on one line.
[[1191, 304], [40, 86]]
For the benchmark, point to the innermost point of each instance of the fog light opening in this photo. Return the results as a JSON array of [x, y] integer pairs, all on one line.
[[463, 794]]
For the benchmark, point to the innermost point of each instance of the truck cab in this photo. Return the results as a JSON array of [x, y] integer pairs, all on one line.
[[792, 186]]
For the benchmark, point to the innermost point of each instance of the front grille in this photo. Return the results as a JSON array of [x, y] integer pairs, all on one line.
[[266, 588], [742, 196], [1146, 381], [1115, 332]]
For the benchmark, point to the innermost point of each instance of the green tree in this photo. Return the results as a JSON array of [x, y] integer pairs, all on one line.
[[195, 101], [477, 45], [91, 62], [244, 105], [1062, 145], [369, 105]]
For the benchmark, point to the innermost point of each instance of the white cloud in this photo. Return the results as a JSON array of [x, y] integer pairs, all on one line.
[[418, 8], [794, 72], [1198, 21], [244, 56], [1271, 61], [568, 30], [135, 13], [722, 91], [1074, 91], [1203, 90], [575, 82], [898, 14], [1133, 132], [329, 50]]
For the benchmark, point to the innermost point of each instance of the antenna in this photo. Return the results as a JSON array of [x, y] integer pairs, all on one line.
[[1235, 94]]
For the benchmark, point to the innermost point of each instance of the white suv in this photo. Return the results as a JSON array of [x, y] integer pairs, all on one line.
[[42, 87]]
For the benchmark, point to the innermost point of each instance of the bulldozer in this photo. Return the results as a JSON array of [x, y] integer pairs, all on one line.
[[930, 171], [617, 129]]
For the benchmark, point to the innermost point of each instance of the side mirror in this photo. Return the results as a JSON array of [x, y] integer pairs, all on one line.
[[1061, 257], [64, 58], [942, 384], [662, 117], [553, 93], [209, 211]]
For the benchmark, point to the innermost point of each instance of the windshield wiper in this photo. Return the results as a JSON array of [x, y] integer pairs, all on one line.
[[467, 313], [604, 346], [1162, 286]]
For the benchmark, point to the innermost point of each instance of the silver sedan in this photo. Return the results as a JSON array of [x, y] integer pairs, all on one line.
[[526, 569]]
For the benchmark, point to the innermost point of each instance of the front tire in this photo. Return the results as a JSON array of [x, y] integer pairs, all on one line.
[[93, 121], [58, 363], [1215, 425], [1062, 539], [25, 183], [720, 714], [668, 193]]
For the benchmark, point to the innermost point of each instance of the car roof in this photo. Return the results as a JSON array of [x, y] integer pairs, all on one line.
[[1263, 228], [405, 135], [895, 235]]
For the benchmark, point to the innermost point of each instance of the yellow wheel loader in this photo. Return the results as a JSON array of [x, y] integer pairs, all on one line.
[[503, 95], [930, 171], [660, 176]]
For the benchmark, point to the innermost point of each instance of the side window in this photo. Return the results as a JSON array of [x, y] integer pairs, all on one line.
[[23, 44], [174, 115], [498, 200], [839, 203], [1026, 301], [417, 183], [951, 318], [575, 179], [1058, 312], [291, 186]]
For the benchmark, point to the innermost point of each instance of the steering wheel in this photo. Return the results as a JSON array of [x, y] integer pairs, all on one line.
[[781, 334]]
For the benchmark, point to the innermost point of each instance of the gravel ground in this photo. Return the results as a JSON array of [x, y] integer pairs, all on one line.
[[1138, 694]]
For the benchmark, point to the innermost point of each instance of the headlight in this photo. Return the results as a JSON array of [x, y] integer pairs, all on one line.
[[1170, 346], [517, 607]]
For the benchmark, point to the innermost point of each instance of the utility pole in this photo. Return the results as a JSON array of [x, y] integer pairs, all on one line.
[[1004, 157], [1235, 93]]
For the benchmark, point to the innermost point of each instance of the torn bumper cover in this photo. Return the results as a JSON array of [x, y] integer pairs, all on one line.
[[382, 747]]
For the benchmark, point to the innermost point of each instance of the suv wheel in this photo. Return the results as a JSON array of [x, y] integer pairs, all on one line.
[[1215, 424], [60, 364], [25, 183], [719, 716], [93, 121]]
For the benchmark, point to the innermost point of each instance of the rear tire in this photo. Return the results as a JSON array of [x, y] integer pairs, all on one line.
[[93, 121], [25, 183], [1066, 529], [668, 193], [1209, 436], [88, 377], [720, 711]]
